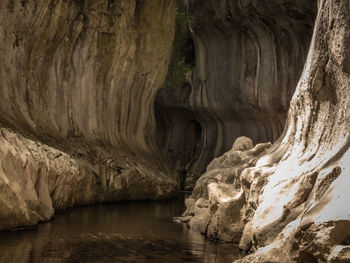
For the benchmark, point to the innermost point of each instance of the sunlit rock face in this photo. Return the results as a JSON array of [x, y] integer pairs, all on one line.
[[81, 76], [249, 57], [289, 203]]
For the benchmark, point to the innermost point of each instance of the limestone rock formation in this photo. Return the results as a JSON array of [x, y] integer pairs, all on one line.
[[78, 80], [218, 205], [36, 180], [289, 203], [82, 120], [249, 57]]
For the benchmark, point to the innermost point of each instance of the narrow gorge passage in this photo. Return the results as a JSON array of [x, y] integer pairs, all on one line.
[[234, 69], [242, 104]]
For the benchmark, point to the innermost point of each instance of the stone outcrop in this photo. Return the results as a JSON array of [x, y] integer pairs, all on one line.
[[78, 79], [36, 180], [248, 57], [288, 203]]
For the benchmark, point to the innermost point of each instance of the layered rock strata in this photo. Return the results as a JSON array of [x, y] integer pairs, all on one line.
[[249, 57], [80, 77], [289, 204]]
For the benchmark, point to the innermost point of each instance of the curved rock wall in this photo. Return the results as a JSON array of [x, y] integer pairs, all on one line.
[[80, 76], [289, 203], [36, 180], [85, 68], [249, 57]]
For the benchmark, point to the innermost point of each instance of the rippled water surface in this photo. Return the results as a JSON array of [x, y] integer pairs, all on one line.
[[129, 232]]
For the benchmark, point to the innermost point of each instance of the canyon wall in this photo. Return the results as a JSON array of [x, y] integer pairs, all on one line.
[[247, 59], [78, 80], [82, 120], [287, 202]]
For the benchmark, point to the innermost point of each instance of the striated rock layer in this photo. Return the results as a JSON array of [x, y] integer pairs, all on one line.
[[288, 203], [81, 77], [249, 57]]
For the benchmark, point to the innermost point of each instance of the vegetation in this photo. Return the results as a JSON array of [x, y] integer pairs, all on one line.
[[182, 59]]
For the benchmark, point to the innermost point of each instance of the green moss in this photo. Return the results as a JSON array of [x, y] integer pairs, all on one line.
[[177, 74], [180, 64], [182, 25]]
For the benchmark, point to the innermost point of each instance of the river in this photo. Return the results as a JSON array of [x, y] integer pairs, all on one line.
[[126, 232]]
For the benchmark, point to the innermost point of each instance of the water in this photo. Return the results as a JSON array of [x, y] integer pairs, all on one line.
[[129, 232]]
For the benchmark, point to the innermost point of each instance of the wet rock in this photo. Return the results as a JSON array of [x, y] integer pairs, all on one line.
[[202, 215], [226, 222]]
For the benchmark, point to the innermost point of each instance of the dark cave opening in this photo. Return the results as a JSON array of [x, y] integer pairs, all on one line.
[[179, 140], [190, 53]]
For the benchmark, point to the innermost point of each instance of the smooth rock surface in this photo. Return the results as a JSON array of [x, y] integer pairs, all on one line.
[[295, 204], [78, 79]]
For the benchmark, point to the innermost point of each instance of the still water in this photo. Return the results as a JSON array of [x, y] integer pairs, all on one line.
[[128, 232]]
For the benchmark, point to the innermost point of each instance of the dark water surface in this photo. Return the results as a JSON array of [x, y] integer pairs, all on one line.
[[129, 232]]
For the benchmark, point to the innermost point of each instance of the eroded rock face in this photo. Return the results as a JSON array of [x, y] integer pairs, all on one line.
[[36, 180], [249, 57], [294, 205], [81, 76], [224, 189], [72, 68]]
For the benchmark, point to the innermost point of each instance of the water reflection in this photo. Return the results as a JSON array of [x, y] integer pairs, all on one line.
[[130, 232]]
